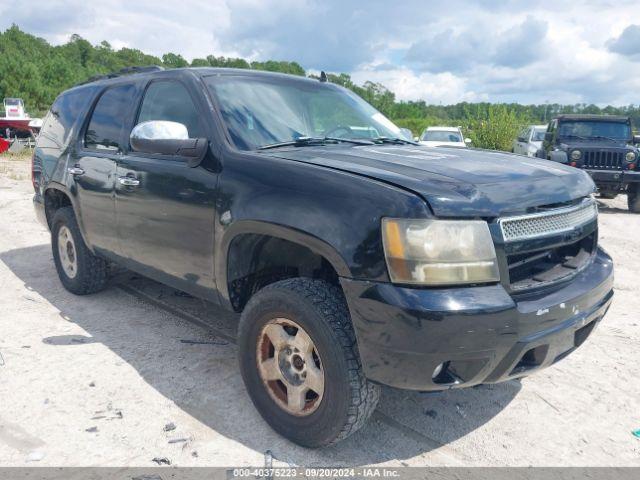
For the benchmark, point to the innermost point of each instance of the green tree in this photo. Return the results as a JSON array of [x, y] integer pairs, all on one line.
[[496, 129], [172, 60], [291, 68], [200, 62], [227, 62], [37, 72]]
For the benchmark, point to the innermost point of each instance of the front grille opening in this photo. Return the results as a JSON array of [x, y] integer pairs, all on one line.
[[531, 359], [563, 355], [554, 206], [548, 222], [540, 267], [455, 372], [444, 376], [606, 160], [582, 333]]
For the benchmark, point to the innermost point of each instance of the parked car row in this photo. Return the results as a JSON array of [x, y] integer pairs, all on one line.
[[444, 136], [602, 145], [354, 256], [529, 140]]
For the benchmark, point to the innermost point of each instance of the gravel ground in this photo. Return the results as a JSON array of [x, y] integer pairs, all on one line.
[[140, 372]]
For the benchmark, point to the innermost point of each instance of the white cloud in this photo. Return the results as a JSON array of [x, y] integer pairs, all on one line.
[[628, 43], [514, 50], [442, 88], [185, 27]]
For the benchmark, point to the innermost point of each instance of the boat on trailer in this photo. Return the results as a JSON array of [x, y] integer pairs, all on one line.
[[16, 121]]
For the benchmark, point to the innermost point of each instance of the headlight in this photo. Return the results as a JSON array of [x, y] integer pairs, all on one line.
[[576, 155], [631, 156], [439, 252]]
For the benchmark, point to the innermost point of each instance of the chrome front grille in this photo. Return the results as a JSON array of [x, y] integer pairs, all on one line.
[[548, 223], [607, 160]]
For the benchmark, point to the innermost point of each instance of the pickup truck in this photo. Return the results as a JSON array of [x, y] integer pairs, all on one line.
[[353, 260]]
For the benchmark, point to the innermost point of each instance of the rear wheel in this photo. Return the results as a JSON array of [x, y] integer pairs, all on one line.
[[300, 363], [633, 198], [80, 271]]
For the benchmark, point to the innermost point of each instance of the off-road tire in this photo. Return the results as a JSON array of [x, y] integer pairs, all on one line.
[[633, 198], [92, 271], [320, 309]]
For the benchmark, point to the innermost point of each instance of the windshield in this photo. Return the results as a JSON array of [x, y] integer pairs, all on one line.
[[265, 111], [538, 134], [441, 136], [587, 129]]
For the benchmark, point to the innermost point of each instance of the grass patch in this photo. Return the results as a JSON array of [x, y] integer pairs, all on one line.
[[23, 156]]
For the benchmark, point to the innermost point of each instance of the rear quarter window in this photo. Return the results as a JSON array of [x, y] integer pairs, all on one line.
[[63, 115]]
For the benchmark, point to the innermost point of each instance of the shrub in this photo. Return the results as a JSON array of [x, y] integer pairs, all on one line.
[[418, 125], [497, 129]]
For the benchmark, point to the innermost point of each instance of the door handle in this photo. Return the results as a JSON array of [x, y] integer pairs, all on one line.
[[129, 181], [75, 171]]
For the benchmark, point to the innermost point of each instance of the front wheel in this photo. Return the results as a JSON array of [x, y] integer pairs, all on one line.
[[633, 198], [300, 362]]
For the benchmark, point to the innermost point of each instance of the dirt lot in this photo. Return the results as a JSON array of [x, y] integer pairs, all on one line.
[[139, 372]]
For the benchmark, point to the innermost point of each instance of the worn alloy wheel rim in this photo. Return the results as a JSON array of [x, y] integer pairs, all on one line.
[[290, 367], [67, 252]]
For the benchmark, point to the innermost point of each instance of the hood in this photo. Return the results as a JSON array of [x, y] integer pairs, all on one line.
[[456, 182], [596, 144], [430, 143]]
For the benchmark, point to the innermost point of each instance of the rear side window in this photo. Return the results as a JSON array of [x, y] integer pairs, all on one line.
[[62, 116], [108, 119], [170, 100]]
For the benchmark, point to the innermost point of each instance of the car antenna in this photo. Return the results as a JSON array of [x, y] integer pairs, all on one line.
[[323, 76]]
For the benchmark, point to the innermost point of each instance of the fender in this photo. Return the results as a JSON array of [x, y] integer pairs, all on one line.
[[53, 185], [291, 234], [559, 156]]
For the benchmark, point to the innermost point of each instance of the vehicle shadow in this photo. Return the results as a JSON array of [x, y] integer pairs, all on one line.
[[202, 377]]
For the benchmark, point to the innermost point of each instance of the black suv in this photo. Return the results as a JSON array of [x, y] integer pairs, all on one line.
[[355, 259], [603, 145]]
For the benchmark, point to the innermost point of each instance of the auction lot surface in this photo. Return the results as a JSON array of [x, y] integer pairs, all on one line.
[[140, 372]]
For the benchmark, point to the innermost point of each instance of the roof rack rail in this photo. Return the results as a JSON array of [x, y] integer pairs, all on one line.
[[122, 72]]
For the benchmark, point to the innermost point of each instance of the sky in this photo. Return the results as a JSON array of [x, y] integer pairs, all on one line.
[[533, 51]]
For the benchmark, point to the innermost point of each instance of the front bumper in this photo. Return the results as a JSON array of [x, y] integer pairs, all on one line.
[[607, 180], [481, 334]]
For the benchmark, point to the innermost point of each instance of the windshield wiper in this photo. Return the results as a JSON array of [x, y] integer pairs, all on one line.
[[608, 138], [574, 136], [310, 141], [396, 140]]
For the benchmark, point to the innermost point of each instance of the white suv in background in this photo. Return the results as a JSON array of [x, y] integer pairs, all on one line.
[[529, 140], [443, 136]]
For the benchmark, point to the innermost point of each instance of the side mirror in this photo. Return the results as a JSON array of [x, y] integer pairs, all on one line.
[[168, 138], [467, 140]]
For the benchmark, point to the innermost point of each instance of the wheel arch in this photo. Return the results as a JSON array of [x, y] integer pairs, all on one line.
[[57, 196], [241, 256]]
